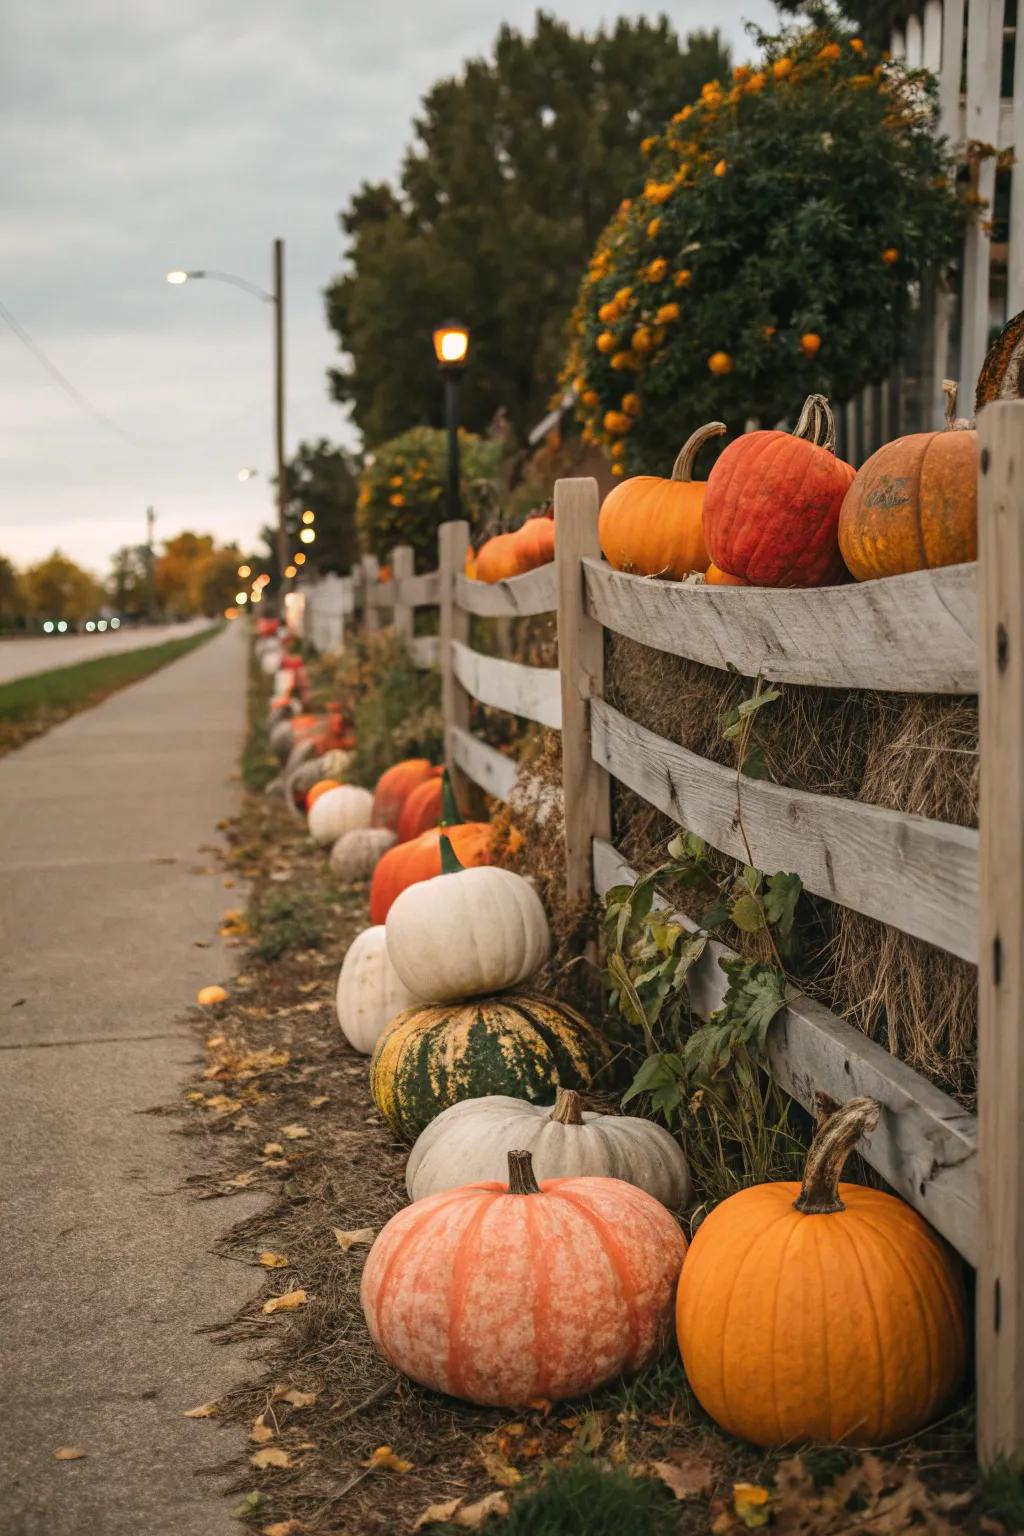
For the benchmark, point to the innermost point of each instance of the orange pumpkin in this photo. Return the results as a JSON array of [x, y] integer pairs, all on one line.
[[771, 512], [714, 577], [384, 573], [821, 1311], [654, 527], [422, 809], [420, 859], [498, 558], [393, 788], [469, 563], [535, 542], [320, 788], [337, 733], [914, 503], [503, 1294]]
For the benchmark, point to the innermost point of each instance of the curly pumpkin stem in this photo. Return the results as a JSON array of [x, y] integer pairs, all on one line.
[[568, 1108], [835, 1140], [682, 469], [816, 417], [450, 863], [521, 1179]]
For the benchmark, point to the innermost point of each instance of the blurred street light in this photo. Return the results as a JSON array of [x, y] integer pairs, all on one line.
[[308, 517], [307, 535], [299, 558], [244, 571], [241, 597], [290, 573], [246, 474]]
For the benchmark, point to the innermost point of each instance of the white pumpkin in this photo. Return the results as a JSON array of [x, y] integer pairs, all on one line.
[[475, 931], [355, 854], [470, 1142], [338, 811], [370, 993], [281, 739], [270, 661]]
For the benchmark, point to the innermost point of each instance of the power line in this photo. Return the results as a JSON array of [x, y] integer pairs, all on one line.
[[64, 383]]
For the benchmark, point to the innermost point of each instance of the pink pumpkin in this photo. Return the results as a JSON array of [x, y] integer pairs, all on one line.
[[502, 1294]]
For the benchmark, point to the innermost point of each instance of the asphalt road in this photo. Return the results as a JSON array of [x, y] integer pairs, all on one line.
[[43, 653], [106, 1268]]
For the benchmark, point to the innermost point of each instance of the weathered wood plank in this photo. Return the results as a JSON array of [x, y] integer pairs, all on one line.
[[925, 1144], [491, 770], [912, 634], [419, 591], [984, 71], [586, 792], [917, 875], [533, 592], [1000, 1295], [424, 651], [402, 566], [369, 593], [532, 692]]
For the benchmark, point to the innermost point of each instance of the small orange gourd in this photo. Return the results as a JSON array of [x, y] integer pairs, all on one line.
[[914, 503], [654, 527], [714, 576], [821, 1311], [320, 788]]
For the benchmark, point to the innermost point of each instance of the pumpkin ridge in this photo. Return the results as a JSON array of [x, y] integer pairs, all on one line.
[[918, 524], [615, 1254], [400, 1251], [766, 534], [540, 1308], [826, 1372], [872, 1308], [780, 1269], [461, 1275]]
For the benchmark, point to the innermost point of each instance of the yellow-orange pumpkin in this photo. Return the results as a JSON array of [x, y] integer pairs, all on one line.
[[503, 1294], [821, 1311], [654, 527], [320, 788], [914, 503], [714, 576], [498, 558]]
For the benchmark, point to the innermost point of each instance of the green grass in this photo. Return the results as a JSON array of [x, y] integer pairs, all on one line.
[[30, 705], [1002, 1493], [287, 920], [588, 1500]]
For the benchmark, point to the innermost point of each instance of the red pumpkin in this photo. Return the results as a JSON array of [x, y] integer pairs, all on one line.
[[420, 859], [393, 788], [771, 511], [422, 809], [503, 1294]]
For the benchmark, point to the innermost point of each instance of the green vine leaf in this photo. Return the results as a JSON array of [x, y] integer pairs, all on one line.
[[780, 902], [748, 914]]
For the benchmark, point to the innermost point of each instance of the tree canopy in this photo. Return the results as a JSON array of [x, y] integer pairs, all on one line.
[[321, 479], [57, 588], [193, 575], [516, 167]]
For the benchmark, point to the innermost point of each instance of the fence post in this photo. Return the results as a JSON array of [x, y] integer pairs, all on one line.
[[402, 566], [585, 788], [452, 539], [1000, 1290], [371, 614]]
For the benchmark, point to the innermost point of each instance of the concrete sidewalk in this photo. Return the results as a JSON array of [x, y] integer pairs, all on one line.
[[105, 1269]]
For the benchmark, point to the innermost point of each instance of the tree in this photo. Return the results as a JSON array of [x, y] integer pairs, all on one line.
[[218, 580], [875, 18], [194, 576], [13, 596], [128, 583], [786, 214], [516, 168], [60, 589], [321, 479], [402, 491]]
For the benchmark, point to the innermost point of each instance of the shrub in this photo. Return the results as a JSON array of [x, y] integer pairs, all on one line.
[[785, 217], [402, 491]]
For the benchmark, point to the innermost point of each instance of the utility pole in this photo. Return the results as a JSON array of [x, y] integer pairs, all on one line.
[[150, 563], [282, 494]]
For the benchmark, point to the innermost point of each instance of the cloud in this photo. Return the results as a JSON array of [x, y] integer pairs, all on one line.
[[146, 136]]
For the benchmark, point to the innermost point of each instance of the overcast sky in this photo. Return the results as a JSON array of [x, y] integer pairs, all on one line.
[[142, 135]]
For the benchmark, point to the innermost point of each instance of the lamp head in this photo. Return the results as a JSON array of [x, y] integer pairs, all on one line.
[[177, 277], [451, 346]]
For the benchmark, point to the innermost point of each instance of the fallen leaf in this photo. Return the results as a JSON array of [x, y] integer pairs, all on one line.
[[201, 943], [249, 1505], [286, 1303], [293, 1396], [240, 1180], [273, 1149], [272, 1456], [318, 1102], [295, 1132], [273, 1260], [384, 1456], [208, 997], [213, 1042], [276, 1162], [261, 1432], [308, 986], [243, 1123], [752, 1503], [436, 1514], [347, 1240], [688, 1478], [501, 1471], [590, 1434], [204, 1411], [69, 1453], [285, 1528], [222, 1103], [472, 1516]]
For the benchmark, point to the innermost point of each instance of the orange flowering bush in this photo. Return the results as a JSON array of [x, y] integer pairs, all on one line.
[[784, 217], [401, 498]]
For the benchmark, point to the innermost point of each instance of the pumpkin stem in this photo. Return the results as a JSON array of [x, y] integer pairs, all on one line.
[[835, 1140], [450, 814], [815, 417], [568, 1109], [521, 1180], [450, 864], [682, 469], [954, 423]]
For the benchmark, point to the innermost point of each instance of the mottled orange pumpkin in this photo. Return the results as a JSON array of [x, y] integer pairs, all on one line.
[[714, 577], [394, 787], [654, 527], [1002, 372], [821, 1311], [506, 1293], [771, 511], [914, 503]]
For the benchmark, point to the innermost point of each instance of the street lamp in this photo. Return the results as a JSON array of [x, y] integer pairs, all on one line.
[[243, 474], [276, 298], [451, 348]]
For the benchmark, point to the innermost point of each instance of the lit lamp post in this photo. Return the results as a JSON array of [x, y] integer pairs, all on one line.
[[276, 298], [451, 347]]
